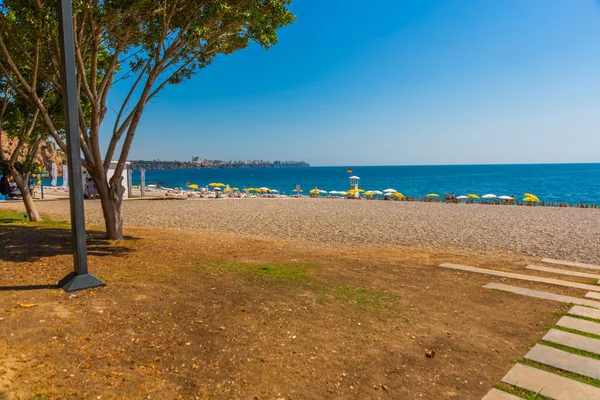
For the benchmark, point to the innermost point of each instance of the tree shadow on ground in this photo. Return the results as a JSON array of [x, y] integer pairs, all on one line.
[[30, 243]]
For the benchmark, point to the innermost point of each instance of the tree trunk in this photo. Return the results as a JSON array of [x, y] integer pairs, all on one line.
[[22, 184], [111, 197]]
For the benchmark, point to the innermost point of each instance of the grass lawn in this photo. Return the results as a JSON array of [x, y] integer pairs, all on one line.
[[196, 315]]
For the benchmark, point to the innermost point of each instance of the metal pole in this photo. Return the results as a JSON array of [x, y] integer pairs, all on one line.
[[142, 182], [129, 182], [79, 278]]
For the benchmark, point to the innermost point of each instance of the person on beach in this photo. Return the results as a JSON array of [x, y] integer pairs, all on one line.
[[90, 189]]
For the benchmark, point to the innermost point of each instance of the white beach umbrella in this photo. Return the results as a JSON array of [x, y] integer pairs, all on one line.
[[265, 189], [274, 191], [506, 198], [461, 197], [333, 192], [489, 196], [376, 192], [390, 191], [322, 191]]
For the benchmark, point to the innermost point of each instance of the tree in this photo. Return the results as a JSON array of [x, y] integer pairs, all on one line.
[[21, 127], [148, 44]]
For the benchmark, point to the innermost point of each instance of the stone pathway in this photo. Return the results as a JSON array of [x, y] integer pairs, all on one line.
[[530, 278], [548, 384], [566, 365], [563, 272], [573, 340], [593, 295], [552, 384], [579, 324], [543, 295], [570, 263]]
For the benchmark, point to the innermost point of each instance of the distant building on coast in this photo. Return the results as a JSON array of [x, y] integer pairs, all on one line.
[[197, 162]]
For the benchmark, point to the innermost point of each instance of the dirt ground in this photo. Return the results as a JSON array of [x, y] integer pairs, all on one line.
[[196, 315]]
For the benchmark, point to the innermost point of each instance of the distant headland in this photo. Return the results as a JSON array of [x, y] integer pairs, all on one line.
[[197, 163]]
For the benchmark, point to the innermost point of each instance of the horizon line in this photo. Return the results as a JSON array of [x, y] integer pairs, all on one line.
[[454, 165]]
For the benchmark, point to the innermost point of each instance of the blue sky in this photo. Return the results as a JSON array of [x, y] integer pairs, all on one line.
[[396, 82]]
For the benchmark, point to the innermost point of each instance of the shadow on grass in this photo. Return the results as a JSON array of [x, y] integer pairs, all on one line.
[[27, 287], [27, 243]]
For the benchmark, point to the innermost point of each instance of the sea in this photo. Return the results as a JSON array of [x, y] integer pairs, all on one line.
[[567, 183]]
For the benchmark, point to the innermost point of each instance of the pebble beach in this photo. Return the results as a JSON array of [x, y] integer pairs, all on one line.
[[562, 233]]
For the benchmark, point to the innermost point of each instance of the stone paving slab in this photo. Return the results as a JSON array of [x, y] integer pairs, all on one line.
[[593, 295], [548, 384], [585, 312], [570, 263], [563, 272], [573, 340], [580, 325], [496, 394], [512, 275], [542, 295], [564, 360]]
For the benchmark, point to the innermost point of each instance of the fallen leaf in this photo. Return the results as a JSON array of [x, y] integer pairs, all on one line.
[[24, 305]]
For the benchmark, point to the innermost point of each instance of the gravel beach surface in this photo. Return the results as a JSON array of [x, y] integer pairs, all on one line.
[[562, 233]]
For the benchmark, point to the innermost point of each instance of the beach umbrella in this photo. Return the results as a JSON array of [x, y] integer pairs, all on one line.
[[529, 200], [235, 189], [376, 192], [193, 186], [488, 196], [274, 191], [315, 191], [461, 197], [360, 190], [533, 197], [398, 194], [296, 190], [433, 195], [216, 184], [472, 196], [368, 193], [506, 198], [322, 191], [390, 191], [333, 192]]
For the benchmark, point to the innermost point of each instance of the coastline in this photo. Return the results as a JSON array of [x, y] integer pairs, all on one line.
[[562, 233]]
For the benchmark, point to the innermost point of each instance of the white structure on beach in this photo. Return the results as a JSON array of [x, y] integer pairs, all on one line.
[[354, 184], [109, 174]]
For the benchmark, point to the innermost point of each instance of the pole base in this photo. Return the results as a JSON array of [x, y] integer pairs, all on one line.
[[73, 282]]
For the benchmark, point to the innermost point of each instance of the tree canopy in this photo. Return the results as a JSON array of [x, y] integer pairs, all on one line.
[[146, 43]]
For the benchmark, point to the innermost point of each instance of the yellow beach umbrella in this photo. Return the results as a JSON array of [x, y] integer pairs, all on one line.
[[296, 190], [472, 196], [368, 193], [533, 197], [398, 194], [216, 184], [529, 200], [315, 191], [236, 189], [193, 186], [360, 190], [433, 195]]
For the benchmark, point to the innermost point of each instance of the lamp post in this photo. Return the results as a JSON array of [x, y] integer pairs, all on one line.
[[80, 278]]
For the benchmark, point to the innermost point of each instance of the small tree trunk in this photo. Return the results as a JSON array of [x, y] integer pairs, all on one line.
[[111, 199], [22, 184]]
